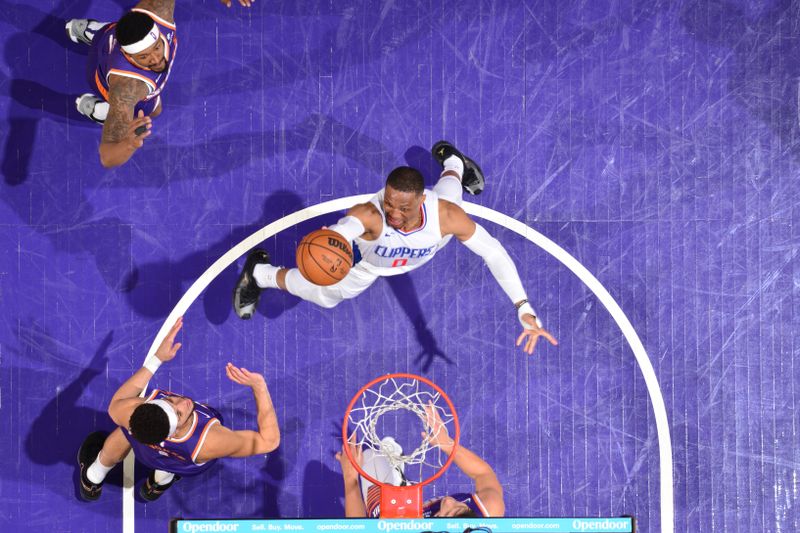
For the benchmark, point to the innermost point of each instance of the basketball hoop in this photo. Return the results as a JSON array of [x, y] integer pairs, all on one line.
[[402, 406]]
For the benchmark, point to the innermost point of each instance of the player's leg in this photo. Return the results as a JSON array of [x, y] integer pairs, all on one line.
[[92, 107], [258, 274], [459, 172], [378, 466], [89, 104], [83, 30], [156, 483], [354, 283], [98, 454]]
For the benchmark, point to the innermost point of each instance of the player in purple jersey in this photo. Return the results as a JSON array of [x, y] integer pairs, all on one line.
[[363, 499], [129, 64], [398, 230], [172, 434]]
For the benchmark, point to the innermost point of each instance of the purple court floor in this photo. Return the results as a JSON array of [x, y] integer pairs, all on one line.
[[657, 142]]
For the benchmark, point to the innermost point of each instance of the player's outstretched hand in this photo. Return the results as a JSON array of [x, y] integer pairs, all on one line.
[[242, 376], [139, 128], [438, 436], [168, 347], [349, 472], [245, 3], [530, 336]]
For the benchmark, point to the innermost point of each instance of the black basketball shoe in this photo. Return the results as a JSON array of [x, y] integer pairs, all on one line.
[[86, 455], [247, 291], [472, 181], [150, 491]]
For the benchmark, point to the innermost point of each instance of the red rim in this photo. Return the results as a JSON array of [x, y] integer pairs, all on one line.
[[385, 378]]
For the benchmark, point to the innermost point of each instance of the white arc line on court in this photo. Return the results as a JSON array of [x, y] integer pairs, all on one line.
[[340, 204]]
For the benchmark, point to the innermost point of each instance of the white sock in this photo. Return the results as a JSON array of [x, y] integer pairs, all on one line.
[[93, 27], [454, 163], [163, 478], [97, 472], [101, 110], [266, 276]]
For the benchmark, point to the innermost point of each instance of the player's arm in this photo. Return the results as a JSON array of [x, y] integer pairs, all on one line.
[[163, 8], [119, 140], [127, 396], [223, 442], [487, 486], [456, 222], [354, 506], [361, 220]]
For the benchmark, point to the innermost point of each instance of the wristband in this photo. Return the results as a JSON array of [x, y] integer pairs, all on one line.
[[526, 309], [152, 364]]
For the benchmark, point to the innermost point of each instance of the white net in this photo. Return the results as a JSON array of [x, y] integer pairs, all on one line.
[[394, 398]]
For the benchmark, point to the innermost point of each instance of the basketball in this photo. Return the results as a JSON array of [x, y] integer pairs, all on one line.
[[324, 257]]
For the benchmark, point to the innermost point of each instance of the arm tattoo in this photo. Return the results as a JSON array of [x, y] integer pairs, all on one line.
[[163, 8], [123, 95]]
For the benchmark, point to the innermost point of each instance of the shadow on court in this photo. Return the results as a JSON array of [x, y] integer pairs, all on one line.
[[226, 152], [406, 293], [38, 50], [51, 204], [57, 208], [64, 421], [156, 287], [56, 434], [323, 491], [422, 159]]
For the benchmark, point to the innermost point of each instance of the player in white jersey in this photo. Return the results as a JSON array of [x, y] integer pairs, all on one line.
[[401, 228]]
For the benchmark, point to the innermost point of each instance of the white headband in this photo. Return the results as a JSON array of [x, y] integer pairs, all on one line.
[[146, 42], [172, 416]]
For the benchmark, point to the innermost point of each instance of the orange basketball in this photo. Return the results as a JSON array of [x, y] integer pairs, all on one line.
[[324, 257]]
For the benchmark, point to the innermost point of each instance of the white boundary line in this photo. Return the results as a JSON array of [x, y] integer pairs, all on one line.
[[340, 204]]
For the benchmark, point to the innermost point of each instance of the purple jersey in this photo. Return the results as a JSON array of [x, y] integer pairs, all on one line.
[[106, 57], [178, 455], [429, 508]]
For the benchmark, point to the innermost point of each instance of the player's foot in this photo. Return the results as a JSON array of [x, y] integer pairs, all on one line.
[[86, 456], [472, 180], [86, 103], [76, 30], [151, 491], [247, 291]]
